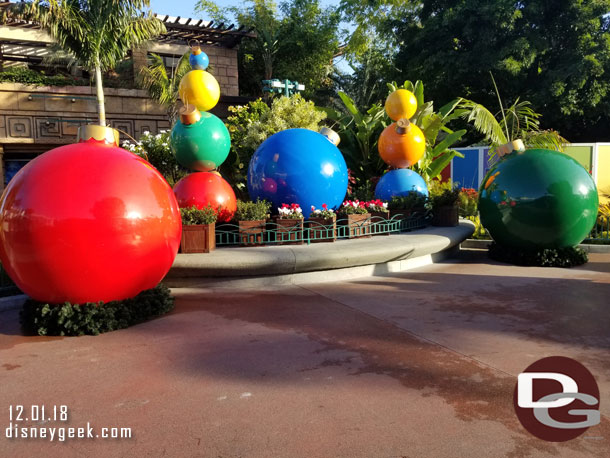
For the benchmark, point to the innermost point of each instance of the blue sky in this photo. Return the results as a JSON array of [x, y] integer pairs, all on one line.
[[185, 8]]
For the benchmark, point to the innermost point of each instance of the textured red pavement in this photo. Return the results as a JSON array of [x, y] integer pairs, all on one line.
[[420, 364]]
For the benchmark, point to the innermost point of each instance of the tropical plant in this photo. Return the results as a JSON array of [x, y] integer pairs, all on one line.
[[518, 121], [97, 33], [469, 201], [161, 86], [359, 132], [434, 124]]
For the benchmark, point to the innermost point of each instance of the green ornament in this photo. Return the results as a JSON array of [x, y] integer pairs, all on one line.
[[200, 141], [538, 199]]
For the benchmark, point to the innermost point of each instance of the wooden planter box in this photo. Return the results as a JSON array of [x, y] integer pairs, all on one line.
[[445, 216], [378, 223], [198, 238], [289, 231], [358, 225], [251, 232], [322, 229]]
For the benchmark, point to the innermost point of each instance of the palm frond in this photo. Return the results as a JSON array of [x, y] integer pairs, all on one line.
[[484, 121]]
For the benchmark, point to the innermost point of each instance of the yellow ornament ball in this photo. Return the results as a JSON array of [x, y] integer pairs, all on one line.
[[401, 104], [199, 88]]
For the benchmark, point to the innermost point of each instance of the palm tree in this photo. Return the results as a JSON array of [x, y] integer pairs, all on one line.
[[97, 33], [163, 87], [517, 121]]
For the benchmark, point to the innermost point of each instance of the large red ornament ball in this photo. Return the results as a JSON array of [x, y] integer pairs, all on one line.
[[201, 189], [88, 222]]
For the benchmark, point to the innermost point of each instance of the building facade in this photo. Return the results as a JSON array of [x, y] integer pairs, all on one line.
[[34, 119]]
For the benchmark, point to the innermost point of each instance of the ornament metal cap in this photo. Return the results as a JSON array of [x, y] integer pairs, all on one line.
[[189, 114], [331, 135], [403, 126], [507, 148], [100, 133]]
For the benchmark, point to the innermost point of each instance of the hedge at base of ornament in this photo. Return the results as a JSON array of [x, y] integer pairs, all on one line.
[[200, 141], [400, 182], [201, 189], [542, 257], [93, 318], [298, 166], [88, 222], [538, 199], [199, 88]]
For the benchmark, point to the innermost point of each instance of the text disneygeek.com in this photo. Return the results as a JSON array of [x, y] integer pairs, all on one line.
[[19, 415]]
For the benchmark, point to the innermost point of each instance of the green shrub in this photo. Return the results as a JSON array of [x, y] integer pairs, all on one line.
[[480, 233], [545, 257], [469, 202], [253, 123], [412, 201], [26, 76], [192, 215], [94, 318], [156, 150], [252, 211]]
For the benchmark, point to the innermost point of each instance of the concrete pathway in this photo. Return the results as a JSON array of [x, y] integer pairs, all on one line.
[[418, 364]]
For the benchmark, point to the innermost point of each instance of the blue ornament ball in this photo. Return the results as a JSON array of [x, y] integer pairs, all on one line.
[[298, 166], [199, 61], [400, 182]]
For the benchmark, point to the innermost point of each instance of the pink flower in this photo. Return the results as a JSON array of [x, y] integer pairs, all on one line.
[[325, 207]]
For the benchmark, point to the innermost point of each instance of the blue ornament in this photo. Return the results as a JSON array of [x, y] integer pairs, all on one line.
[[400, 182], [199, 61], [298, 166]]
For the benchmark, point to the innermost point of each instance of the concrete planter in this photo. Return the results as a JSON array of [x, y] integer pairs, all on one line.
[[289, 231], [198, 238], [251, 232], [322, 229]]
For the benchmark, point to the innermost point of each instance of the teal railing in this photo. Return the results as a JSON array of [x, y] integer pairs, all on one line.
[[313, 231]]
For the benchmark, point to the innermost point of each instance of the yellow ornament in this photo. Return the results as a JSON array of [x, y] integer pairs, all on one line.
[[401, 104], [199, 88]]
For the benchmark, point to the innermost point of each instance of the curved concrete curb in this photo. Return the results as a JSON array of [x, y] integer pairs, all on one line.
[[296, 259]]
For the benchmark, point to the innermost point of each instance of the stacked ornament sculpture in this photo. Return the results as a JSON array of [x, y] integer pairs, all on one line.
[[401, 145], [201, 142]]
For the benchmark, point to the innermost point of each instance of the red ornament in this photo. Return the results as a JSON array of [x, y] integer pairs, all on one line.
[[207, 188], [88, 222]]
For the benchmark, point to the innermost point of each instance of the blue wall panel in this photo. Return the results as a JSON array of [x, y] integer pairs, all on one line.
[[466, 169]]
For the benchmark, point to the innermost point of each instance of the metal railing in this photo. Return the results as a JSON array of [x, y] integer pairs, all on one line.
[[7, 286], [308, 231], [600, 232]]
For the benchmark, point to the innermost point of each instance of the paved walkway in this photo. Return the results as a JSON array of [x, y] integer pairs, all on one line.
[[418, 364]]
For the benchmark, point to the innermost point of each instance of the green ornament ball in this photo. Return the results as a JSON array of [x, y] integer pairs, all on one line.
[[202, 145], [538, 199]]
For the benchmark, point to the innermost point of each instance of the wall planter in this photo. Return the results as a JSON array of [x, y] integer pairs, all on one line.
[[322, 229], [198, 238], [357, 225], [289, 231], [379, 225], [446, 215], [251, 233]]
